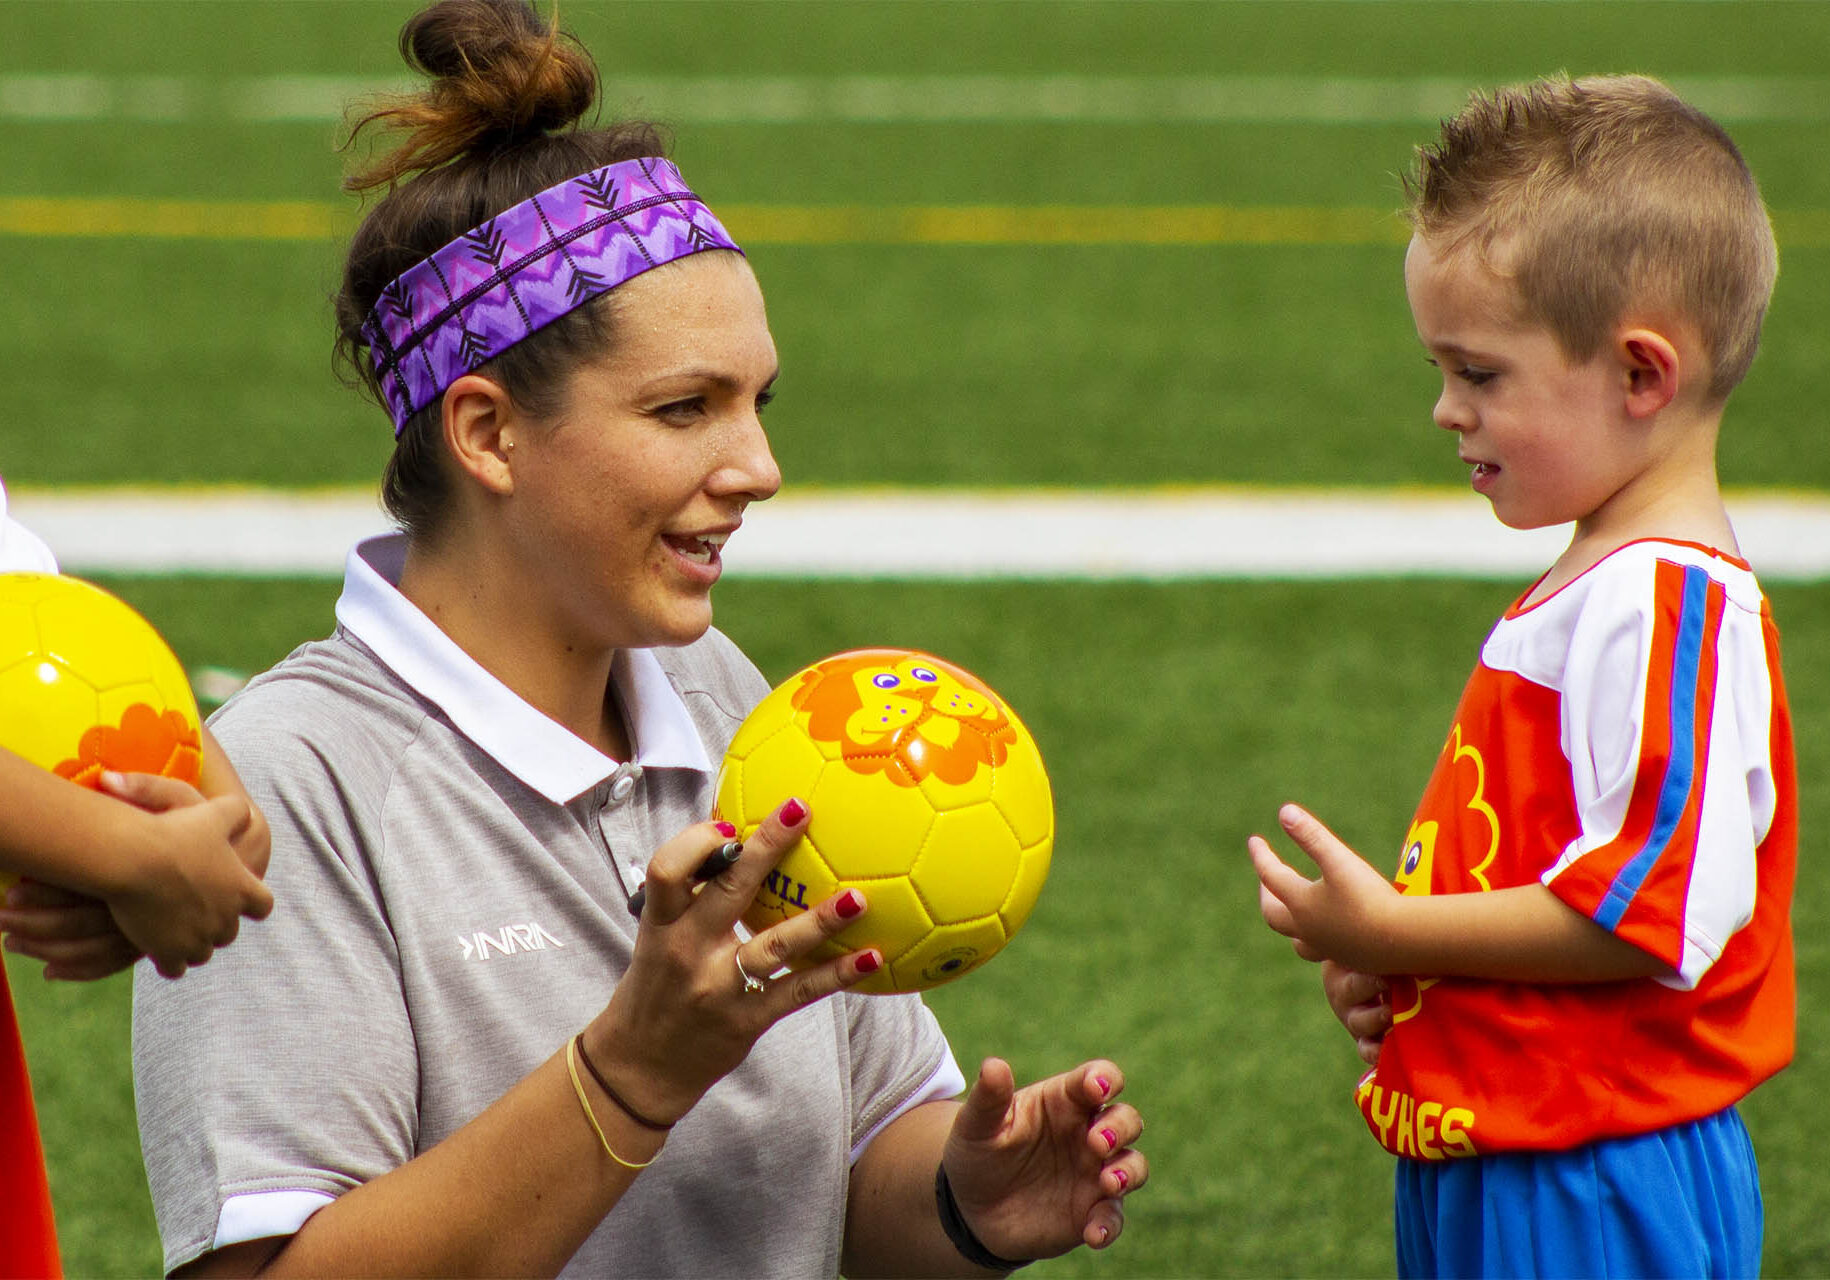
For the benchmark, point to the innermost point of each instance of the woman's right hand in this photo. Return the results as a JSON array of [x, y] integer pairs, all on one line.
[[1358, 1000], [684, 1015]]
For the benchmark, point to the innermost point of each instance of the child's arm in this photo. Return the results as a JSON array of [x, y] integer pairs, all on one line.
[[1353, 916], [175, 870], [254, 842]]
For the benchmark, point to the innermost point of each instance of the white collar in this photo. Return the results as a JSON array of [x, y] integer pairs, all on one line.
[[535, 748]]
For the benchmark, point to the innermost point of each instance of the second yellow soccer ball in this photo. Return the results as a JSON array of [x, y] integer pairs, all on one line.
[[927, 793], [88, 685]]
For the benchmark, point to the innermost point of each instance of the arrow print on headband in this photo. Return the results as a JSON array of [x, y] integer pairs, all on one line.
[[583, 286], [394, 298], [488, 242], [475, 348], [600, 191]]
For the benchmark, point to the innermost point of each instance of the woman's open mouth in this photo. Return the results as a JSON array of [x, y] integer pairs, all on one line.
[[699, 550]]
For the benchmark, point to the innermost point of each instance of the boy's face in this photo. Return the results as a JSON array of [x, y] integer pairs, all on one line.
[[1544, 436]]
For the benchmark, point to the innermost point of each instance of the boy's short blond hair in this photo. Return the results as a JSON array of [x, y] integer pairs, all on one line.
[[1602, 196]]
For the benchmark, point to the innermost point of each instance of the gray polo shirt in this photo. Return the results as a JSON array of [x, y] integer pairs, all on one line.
[[450, 870]]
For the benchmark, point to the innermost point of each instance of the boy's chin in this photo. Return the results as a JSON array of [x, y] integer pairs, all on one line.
[[1524, 521]]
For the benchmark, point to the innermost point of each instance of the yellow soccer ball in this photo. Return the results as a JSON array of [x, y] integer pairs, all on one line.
[[927, 794], [87, 685]]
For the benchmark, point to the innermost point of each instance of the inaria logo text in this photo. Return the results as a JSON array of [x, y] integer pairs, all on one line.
[[510, 938]]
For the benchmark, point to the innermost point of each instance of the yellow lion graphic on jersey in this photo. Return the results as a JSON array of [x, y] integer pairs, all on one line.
[[1417, 859]]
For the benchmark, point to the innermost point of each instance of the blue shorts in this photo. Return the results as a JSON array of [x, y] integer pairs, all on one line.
[[1683, 1201]]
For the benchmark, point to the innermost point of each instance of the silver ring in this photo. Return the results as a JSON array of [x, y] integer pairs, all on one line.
[[751, 985]]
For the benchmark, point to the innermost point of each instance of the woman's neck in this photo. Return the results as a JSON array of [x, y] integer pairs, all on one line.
[[509, 630]]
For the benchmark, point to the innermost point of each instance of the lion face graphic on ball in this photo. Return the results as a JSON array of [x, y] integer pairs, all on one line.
[[928, 794]]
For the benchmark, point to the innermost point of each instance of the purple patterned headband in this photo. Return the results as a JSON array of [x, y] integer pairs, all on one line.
[[524, 268]]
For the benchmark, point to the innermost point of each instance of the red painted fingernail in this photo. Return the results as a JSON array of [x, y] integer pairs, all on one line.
[[1118, 1176], [1111, 1139], [1105, 1086], [851, 904], [869, 962], [792, 813], [726, 829]]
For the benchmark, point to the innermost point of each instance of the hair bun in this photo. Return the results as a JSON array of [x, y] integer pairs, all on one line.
[[499, 73]]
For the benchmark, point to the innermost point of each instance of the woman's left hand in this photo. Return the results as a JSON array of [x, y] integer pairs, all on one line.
[[1041, 1169]]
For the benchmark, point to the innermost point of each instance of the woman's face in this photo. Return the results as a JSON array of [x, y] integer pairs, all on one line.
[[622, 504]]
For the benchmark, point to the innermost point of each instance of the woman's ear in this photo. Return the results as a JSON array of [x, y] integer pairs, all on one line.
[[480, 422], [1653, 370]]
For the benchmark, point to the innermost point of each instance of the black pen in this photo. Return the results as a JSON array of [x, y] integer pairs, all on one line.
[[717, 862]]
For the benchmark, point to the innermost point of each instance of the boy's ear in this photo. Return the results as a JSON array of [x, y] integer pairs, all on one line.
[[479, 421], [1653, 370]]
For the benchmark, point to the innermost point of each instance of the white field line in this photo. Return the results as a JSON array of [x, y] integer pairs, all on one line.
[[928, 534], [878, 99]]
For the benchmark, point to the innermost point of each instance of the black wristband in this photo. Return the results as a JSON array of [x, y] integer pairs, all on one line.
[[971, 1248]]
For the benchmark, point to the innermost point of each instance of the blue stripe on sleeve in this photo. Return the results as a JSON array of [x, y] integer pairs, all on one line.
[[1674, 791]]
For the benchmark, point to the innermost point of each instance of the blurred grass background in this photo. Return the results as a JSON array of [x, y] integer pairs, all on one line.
[[207, 360], [1174, 716]]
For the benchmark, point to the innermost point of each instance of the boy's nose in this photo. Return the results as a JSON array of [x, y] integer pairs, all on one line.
[[1449, 415]]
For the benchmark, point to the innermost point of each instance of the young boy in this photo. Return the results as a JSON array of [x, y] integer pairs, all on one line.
[[168, 874], [1588, 948]]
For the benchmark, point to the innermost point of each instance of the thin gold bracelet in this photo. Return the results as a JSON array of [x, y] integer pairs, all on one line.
[[578, 1087]]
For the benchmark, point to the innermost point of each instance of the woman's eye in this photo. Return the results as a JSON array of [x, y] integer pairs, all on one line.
[[764, 400], [682, 410]]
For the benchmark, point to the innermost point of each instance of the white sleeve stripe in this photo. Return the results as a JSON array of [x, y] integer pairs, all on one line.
[[946, 1082], [1694, 640], [260, 1214]]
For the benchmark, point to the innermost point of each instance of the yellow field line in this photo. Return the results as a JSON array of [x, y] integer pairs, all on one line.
[[1061, 224], [127, 218], [61, 217], [117, 217]]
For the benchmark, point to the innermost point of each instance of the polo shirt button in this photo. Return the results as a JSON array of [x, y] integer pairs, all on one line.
[[620, 789]]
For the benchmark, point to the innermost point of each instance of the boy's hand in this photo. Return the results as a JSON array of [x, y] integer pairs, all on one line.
[[1346, 915], [185, 895], [1360, 1001]]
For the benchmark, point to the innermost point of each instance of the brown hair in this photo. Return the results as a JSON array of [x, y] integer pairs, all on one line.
[[1598, 196], [498, 122]]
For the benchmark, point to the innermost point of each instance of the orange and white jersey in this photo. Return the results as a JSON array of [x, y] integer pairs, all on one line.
[[1626, 742]]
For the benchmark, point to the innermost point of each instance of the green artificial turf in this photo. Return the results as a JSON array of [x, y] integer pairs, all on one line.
[[1173, 718]]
